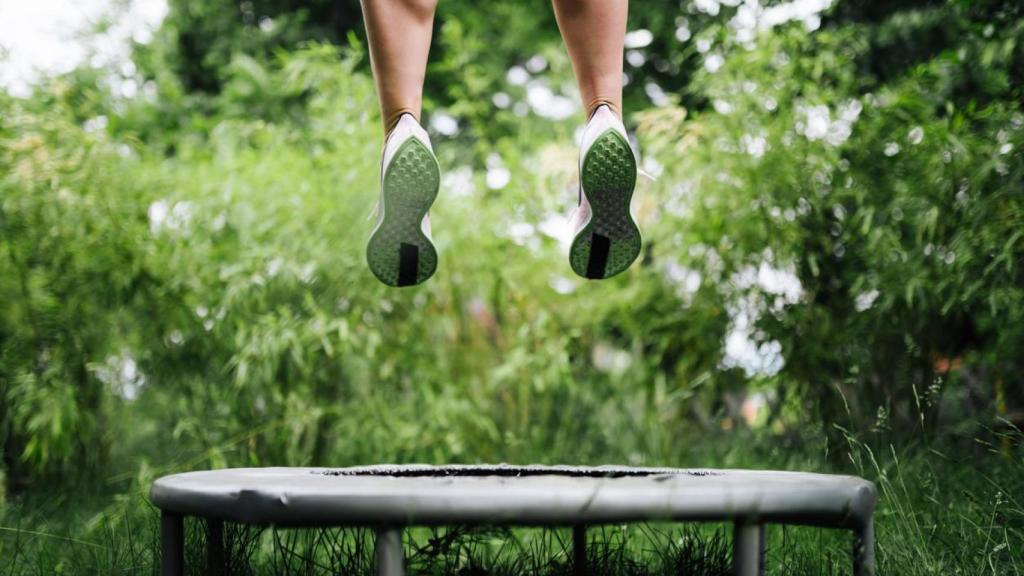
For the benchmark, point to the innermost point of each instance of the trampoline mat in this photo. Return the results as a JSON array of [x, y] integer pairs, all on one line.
[[513, 495]]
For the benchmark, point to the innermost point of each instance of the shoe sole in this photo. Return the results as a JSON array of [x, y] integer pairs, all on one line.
[[399, 253], [610, 241]]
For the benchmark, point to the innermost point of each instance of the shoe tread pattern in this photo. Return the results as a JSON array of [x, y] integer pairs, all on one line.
[[608, 178], [411, 183]]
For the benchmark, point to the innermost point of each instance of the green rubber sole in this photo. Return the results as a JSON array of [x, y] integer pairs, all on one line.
[[610, 241], [399, 253]]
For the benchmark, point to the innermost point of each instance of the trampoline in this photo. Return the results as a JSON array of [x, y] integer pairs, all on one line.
[[389, 498]]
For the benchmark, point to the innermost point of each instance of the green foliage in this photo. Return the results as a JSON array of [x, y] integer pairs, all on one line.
[[215, 270], [833, 253], [940, 514], [898, 213], [71, 282]]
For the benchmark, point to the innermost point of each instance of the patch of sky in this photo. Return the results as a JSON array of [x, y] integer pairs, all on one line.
[[517, 76], [501, 100], [865, 300], [656, 94], [558, 227], [121, 374], [458, 182], [544, 102], [686, 280], [722, 106], [444, 123], [714, 62], [754, 144], [683, 33], [752, 16], [498, 176], [638, 38], [536, 64], [756, 288], [563, 284], [816, 122], [164, 215], [916, 135], [46, 37], [521, 232]]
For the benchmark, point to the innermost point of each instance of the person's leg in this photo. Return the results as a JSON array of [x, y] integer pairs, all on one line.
[[400, 251], [606, 239], [399, 32], [594, 32]]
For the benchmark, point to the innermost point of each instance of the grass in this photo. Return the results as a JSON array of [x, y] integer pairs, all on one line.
[[947, 511]]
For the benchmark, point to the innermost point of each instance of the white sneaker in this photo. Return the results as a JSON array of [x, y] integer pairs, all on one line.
[[400, 251], [606, 239]]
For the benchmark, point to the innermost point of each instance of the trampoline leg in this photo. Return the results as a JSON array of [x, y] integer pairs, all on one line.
[[864, 550], [172, 544], [215, 565], [579, 550], [388, 552], [748, 549]]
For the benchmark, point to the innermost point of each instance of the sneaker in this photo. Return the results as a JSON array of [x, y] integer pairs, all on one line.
[[400, 251], [606, 239]]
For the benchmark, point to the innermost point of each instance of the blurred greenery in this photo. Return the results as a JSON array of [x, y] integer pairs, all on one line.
[[832, 277]]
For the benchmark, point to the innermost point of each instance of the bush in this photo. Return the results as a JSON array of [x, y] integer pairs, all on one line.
[[826, 249]]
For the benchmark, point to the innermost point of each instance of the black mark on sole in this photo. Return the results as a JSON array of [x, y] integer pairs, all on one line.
[[599, 248], [408, 264]]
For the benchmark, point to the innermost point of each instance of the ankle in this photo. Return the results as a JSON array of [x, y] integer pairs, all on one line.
[[594, 105], [391, 119]]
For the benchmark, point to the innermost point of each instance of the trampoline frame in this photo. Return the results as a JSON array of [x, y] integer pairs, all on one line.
[[748, 542]]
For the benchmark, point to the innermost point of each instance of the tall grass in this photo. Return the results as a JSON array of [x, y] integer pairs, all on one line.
[[938, 515]]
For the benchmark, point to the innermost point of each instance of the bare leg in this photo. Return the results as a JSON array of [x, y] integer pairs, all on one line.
[[399, 32], [594, 32]]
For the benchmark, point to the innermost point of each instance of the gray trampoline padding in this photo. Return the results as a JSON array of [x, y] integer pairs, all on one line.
[[520, 495]]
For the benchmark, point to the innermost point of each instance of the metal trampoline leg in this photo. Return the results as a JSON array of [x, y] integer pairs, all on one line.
[[388, 552], [579, 550], [748, 549], [864, 550], [172, 544], [215, 565]]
